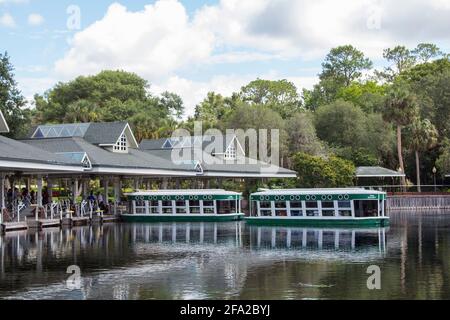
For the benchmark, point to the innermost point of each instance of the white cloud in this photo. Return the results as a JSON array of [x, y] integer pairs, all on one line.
[[165, 45], [7, 20], [35, 19], [154, 42]]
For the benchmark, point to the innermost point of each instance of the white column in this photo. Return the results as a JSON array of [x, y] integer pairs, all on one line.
[[2, 196], [136, 184], [336, 208], [50, 190], [75, 191], [106, 189], [39, 191], [272, 207], [201, 207], [288, 208]]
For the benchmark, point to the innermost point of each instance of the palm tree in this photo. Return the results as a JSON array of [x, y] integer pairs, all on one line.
[[400, 108], [422, 136]]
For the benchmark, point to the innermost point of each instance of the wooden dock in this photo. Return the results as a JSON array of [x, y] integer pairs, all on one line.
[[50, 223], [13, 226]]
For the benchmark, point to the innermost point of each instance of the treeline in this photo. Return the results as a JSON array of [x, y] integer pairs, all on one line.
[[398, 117]]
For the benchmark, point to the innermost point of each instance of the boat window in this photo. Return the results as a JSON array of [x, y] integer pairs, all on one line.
[[194, 206], [280, 204], [265, 213], [296, 213], [208, 207], [328, 213], [296, 204], [180, 207], [328, 204], [344, 204], [311, 204], [366, 208], [167, 207], [154, 208], [312, 213], [140, 207], [264, 204], [345, 213], [208, 203], [226, 207]]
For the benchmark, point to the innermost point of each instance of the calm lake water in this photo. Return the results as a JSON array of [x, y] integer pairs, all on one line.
[[229, 261]]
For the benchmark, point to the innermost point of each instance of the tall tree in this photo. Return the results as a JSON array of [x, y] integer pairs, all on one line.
[[400, 108], [213, 109], [280, 96], [12, 102], [401, 59], [344, 64], [425, 52], [422, 136]]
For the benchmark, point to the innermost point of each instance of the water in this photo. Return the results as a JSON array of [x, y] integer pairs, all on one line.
[[229, 261]]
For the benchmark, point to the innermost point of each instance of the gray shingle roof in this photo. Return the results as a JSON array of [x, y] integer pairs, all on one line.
[[103, 158], [95, 133], [211, 164], [367, 172], [12, 150], [104, 133]]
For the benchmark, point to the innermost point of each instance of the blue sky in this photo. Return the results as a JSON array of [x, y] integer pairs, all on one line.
[[192, 47]]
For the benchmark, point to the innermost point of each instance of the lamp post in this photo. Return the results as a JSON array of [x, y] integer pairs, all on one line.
[[434, 177]]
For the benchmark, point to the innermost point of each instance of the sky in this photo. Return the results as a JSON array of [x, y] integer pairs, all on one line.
[[193, 47]]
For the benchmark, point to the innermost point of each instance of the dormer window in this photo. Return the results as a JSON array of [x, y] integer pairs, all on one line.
[[230, 154], [121, 144]]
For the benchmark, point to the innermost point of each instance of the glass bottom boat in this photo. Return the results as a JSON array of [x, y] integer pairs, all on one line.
[[183, 205], [319, 207]]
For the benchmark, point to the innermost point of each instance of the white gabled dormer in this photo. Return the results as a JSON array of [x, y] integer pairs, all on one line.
[[3, 125], [232, 150], [125, 141]]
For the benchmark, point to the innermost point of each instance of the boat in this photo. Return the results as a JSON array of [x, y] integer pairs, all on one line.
[[348, 207], [183, 205]]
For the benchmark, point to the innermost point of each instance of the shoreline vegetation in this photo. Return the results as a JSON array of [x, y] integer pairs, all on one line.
[[397, 117]]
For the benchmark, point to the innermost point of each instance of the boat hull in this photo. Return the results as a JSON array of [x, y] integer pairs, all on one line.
[[181, 218], [320, 222]]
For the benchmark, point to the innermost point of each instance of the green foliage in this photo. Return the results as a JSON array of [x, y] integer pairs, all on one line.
[[443, 161], [213, 109], [340, 124], [401, 105], [110, 96], [281, 96], [302, 135], [319, 172], [421, 135], [369, 95], [12, 103], [360, 157], [344, 64]]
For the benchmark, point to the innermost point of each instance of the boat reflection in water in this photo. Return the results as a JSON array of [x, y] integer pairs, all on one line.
[[361, 243], [172, 260]]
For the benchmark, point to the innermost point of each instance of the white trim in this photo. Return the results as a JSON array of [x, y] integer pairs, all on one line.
[[381, 175], [13, 165], [136, 145], [249, 175], [185, 215], [138, 171], [3, 123]]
